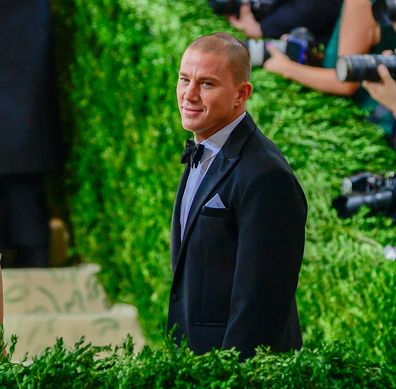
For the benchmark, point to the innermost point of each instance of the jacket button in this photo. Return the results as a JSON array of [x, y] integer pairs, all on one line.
[[175, 297]]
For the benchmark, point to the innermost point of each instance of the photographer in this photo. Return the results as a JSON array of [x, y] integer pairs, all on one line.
[[318, 16], [356, 32]]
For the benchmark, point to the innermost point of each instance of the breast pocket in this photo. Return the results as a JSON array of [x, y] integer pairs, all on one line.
[[215, 212]]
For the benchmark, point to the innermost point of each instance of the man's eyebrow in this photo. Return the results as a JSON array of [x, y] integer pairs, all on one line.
[[202, 78]]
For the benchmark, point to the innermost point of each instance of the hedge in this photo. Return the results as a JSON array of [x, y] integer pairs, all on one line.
[[87, 366], [118, 63]]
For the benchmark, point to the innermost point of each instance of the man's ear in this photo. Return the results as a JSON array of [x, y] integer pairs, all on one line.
[[245, 90]]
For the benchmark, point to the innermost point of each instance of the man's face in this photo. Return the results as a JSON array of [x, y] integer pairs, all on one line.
[[206, 92]]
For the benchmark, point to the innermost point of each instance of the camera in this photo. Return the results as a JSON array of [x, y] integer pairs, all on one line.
[[364, 67], [376, 191], [259, 8], [299, 46], [384, 12]]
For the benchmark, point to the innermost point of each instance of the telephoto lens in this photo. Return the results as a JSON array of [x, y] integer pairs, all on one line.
[[299, 46], [381, 201], [258, 50], [384, 12], [377, 192], [364, 67]]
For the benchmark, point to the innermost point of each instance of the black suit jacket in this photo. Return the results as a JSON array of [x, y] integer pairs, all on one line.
[[236, 270]]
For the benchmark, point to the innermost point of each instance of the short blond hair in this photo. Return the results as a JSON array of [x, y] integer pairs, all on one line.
[[236, 52]]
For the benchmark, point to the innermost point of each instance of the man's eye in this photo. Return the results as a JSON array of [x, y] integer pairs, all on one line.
[[183, 80], [207, 84]]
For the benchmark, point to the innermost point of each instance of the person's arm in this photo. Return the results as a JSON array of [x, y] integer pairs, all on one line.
[[358, 33], [385, 91], [271, 224]]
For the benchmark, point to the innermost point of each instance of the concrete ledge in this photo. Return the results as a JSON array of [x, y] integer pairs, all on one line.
[[37, 331], [53, 290]]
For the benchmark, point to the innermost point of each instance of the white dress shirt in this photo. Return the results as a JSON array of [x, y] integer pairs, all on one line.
[[213, 145]]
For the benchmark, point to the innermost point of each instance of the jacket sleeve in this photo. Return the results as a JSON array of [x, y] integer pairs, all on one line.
[[271, 232], [316, 15]]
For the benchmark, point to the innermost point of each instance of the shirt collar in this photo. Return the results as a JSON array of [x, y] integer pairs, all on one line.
[[215, 142]]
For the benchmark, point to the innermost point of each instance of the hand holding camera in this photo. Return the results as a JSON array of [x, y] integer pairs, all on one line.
[[297, 46], [275, 58], [385, 91]]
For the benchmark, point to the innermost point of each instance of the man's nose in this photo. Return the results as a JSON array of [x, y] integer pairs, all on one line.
[[192, 92]]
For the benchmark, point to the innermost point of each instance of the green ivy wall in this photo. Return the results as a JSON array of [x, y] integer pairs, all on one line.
[[118, 63]]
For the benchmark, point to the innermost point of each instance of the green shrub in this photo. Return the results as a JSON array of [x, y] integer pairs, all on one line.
[[118, 63], [87, 366]]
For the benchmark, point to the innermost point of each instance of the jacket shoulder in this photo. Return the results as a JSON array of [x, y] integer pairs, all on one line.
[[261, 155]]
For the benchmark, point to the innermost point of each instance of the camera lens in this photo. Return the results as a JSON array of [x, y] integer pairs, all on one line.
[[342, 69], [347, 205], [363, 67], [356, 68], [257, 51]]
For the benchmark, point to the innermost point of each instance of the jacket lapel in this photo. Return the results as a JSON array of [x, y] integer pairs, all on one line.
[[176, 230], [214, 175]]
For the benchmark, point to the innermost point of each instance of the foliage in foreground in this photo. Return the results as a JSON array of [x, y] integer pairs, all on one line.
[[119, 62], [87, 366]]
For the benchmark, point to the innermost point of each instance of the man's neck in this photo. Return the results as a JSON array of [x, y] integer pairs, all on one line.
[[199, 137]]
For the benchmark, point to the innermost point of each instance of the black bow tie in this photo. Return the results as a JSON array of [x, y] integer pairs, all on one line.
[[192, 153]]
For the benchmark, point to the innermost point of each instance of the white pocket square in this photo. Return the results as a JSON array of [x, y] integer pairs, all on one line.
[[215, 202]]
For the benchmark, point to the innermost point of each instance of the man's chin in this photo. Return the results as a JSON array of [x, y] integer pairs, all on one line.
[[187, 125]]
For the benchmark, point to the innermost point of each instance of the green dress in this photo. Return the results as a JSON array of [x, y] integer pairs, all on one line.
[[378, 114]]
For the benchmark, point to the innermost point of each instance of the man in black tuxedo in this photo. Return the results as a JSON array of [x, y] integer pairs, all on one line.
[[238, 226]]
